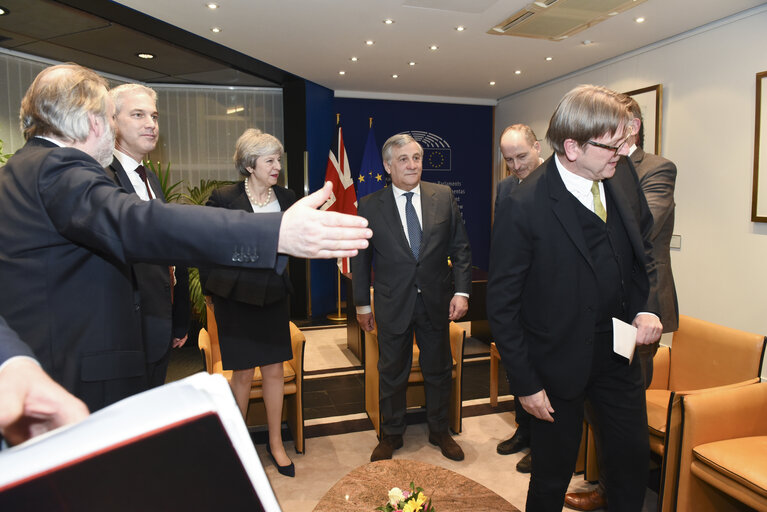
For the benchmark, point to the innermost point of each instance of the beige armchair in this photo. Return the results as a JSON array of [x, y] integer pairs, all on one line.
[[294, 378], [723, 458], [704, 356], [415, 393]]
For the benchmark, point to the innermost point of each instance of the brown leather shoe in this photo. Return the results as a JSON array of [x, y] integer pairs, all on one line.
[[386, 447], [590, 500], [525, 464], [449, 447]]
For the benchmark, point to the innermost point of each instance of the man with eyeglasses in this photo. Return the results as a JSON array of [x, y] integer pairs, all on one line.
[[657, 177], [570, 252]]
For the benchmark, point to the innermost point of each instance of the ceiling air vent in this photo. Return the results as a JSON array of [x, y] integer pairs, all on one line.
[[558, 19]]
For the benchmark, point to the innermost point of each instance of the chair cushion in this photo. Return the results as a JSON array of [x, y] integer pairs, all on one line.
[[742, 459], [657, 411], [289, 375]]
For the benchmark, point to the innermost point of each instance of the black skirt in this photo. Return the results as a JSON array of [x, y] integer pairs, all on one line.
[[252, 336]]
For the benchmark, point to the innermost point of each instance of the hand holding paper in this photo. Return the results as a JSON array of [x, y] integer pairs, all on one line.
[[624, 339]]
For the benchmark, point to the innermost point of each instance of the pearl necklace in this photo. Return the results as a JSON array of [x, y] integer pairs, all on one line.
[[253, 199]]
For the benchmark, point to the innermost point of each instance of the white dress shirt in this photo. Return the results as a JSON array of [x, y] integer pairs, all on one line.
[[130, 165]]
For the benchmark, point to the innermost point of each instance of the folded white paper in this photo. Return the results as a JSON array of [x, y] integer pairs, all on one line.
[[624, 339]]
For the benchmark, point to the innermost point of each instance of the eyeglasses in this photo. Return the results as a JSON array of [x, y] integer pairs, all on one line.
[[614, 149]]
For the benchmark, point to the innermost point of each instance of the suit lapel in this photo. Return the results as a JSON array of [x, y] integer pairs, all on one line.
[[625, 206], [428, 213], [392, 220], [121, 176], [564, 210], [241, 201]]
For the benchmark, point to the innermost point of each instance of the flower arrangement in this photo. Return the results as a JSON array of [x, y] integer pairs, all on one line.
[[413, 500]]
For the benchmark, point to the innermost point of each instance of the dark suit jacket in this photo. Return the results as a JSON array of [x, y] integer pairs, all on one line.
[[542, 298], [252, 286], [10, 344], [657, 177], [397, 274], [68, 237], [505, 187], [161, 319]]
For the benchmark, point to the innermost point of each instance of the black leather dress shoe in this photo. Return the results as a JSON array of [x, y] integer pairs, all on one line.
[[515, 443], [525, 464], [447, 445], [289, 470], [386, 447]]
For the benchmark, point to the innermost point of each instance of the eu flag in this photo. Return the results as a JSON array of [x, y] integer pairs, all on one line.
[[372, 174]]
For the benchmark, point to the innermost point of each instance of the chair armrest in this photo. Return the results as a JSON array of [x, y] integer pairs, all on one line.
[[297, 340], [660, 371], [203, 342]]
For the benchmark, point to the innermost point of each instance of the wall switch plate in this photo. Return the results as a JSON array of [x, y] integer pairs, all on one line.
[[676, 242]]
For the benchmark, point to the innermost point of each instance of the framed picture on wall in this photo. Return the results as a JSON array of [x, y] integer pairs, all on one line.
[[650, 101], [759, 191]]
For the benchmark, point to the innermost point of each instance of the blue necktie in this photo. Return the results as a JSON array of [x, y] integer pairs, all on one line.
[[413, 226]]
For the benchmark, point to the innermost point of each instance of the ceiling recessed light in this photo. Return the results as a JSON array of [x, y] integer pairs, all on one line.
[[388, 21], [434, 47], [215, 30], [4, 11], [549, 59], [370, 42], [145, 56], [639, 20], [614, 13], [492, 83], [586, 42], [411, 63], [354, 59], [460, 28], [518, 72], [395, 76], [212, 6], [342, 72]]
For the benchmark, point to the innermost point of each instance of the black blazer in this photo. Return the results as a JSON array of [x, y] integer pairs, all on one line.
[[10, 344], [250, 286], [397, 274], [161, 321], [542, 298], [67, 239]]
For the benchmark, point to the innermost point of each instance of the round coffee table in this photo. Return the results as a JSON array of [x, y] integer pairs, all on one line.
[[367, 487]]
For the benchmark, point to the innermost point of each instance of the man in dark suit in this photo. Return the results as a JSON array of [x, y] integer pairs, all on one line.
[[416, 226], [69, 235], [522, 153], [31, 403], [163, 290], [657, 177], [570, 252]]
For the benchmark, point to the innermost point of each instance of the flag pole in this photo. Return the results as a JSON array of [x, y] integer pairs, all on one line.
[[339, 316]]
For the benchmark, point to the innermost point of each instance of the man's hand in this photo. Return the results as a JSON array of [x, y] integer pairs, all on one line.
[[306, 232], [366, 321], [179, 342], [649, 328], [459, 305], [538, 405], [31, 403]]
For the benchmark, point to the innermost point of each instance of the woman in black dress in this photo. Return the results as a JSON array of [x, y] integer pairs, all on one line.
[[251, 306]]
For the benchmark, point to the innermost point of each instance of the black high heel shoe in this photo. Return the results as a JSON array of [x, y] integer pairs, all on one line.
[[289, 470]]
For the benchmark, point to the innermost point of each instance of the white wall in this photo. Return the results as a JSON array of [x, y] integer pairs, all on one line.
[[708, 78]]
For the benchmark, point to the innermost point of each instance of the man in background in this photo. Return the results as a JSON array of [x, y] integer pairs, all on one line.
[[70, 233], [522, 153], [657, 178], [416, 226], [163, 290], [570, 251]]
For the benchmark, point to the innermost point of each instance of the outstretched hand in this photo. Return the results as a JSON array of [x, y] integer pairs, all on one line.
[[307, 232], [31, 403]]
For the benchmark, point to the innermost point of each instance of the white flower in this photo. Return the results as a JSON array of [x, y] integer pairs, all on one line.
[[395, 496]]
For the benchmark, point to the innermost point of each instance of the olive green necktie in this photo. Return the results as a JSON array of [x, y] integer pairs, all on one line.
[[599, 208]]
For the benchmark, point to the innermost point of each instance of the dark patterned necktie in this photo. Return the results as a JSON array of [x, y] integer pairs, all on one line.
[[142, 174], [413, 226]]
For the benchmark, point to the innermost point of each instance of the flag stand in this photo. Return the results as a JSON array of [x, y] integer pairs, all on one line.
[[339, 317]]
